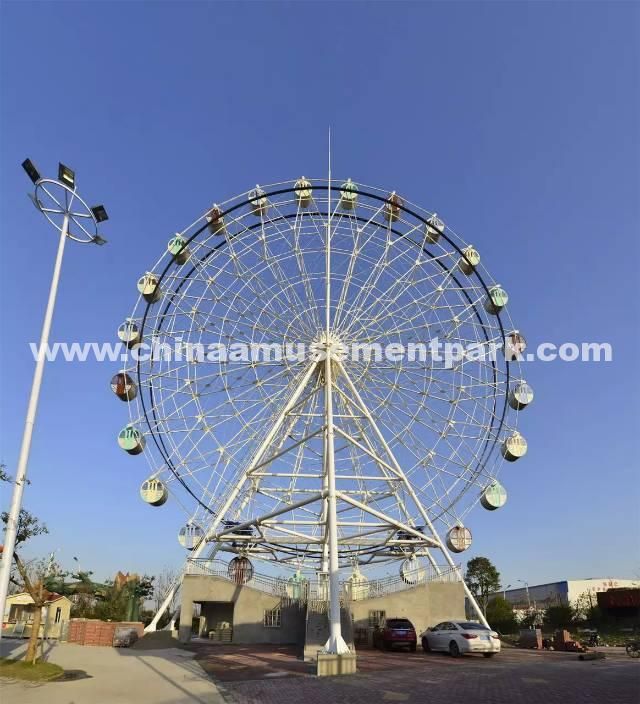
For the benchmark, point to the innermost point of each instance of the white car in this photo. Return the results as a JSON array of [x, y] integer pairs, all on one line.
[[459, 637]]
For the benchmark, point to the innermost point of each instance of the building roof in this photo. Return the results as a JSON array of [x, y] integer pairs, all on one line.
[[49, 599]]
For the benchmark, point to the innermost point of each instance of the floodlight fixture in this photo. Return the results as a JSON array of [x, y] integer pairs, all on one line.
[[66, 175], [99, 213], [31, 170]]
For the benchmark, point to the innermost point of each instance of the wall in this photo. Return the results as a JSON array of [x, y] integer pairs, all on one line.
[[249, 607], [425, 606], [89, 631]]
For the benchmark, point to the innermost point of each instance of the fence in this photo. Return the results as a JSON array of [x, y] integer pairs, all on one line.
[[298, 589]]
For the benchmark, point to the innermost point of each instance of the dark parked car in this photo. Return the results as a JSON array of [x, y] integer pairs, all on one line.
[[395, 631]]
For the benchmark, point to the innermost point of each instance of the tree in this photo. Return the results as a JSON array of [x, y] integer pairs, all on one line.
[[483, 579], [163, 583], [32, 576], [559, 616], [500, 615]]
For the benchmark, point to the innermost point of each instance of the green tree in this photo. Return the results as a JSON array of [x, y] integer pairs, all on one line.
[[559, 616], [500, 615], [483, 580]]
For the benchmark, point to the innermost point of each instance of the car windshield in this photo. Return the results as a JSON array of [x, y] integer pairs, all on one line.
[[399, 623], [471, 626]]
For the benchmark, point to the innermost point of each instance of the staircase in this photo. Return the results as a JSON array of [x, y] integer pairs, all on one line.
[[317, 628]]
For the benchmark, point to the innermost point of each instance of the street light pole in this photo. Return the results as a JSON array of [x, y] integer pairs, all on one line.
[[526, 586], [58, 201]]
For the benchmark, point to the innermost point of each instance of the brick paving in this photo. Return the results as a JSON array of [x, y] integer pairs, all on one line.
[[272, 675]]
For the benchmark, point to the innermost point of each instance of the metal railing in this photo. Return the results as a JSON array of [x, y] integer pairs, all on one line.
[[295, 590]]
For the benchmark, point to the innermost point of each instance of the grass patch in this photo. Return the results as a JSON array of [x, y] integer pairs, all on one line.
[[21, 670]]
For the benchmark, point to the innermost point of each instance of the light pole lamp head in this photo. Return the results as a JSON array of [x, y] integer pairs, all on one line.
[[66, 176], [64, 208], [32, 171], [99, 213]]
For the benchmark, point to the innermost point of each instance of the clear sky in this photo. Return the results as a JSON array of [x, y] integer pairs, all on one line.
[[518, 122]]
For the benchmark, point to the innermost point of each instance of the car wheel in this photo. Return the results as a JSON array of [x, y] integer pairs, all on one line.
[[412, 648], [488, 655], [386, 645], [454, 650], [425, 645]]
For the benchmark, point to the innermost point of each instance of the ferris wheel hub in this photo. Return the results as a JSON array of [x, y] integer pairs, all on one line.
[[330, 345]]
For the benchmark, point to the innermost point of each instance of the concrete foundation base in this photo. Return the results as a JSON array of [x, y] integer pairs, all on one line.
[[330, 664]]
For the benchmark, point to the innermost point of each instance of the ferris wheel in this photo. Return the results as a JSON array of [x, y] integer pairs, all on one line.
[[330, 378]]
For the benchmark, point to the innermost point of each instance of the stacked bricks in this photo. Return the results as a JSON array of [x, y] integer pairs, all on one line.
[[94, 632]]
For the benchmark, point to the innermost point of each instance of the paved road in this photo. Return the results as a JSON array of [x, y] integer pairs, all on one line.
[[115, 676], [258, 676], [268, 675]]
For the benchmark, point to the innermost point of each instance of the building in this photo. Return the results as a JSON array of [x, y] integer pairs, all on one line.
[[20, 610], [270, 610], [541, 596], [621, 606]]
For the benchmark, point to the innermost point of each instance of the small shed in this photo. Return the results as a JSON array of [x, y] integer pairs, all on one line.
[[20, 610]]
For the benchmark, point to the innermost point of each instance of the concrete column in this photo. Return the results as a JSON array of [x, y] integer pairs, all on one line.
[[186, 615]]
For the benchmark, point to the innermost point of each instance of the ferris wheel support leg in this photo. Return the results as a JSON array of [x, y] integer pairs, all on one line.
[[412, 493], [335, 645], [153, 626], [233, 495]]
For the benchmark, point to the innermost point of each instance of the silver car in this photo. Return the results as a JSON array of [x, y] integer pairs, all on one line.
[[459, 637]]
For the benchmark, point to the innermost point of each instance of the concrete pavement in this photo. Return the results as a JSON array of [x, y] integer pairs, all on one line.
[[258, 675], [113, 676]]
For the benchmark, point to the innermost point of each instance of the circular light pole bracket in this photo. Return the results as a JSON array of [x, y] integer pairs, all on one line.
[[58, 202]]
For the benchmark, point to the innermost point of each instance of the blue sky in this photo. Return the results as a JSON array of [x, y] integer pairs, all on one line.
[[517, 122]]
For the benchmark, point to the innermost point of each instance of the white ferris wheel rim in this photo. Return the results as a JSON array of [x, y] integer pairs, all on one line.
[[290, 290]]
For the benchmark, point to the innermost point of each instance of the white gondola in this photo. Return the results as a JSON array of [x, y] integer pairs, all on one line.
[[412, 571], [520, 395], [432, 229], [123, 386], [348, 195], [149, 287], [303, 192], [469, 261], [392, 207], [514, 447], [131, 440], [215, 221], [297, 586], [357, 586], [190, 536], [176, 248], [494, 496], [129, 333], [459, 539], [153, 492], [496, 300], [258, 201], [515, 344]]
